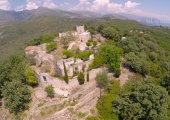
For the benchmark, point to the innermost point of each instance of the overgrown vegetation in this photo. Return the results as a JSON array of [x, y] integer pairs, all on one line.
[[84, 55], [51, 46], [42, 39]]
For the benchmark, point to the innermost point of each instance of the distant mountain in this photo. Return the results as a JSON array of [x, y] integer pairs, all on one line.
[[8, 16], [13, 16], [114, 16]]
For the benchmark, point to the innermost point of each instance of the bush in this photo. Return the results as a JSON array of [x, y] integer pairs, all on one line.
[[81, 78], [51, 46], [84, 55], [42, 39], [30, 75], [50, 91], [68, 53]]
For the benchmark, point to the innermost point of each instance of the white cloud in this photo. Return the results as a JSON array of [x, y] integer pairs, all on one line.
[[20, 8], [5, 5], [32, 4], [49, 4], [82, 5], [130, 4], [106, 6]]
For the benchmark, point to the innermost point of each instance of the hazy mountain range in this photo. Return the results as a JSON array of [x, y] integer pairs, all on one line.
[[11, 16]]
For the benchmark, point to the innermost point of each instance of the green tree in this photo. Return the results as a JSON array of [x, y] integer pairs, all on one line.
[[166, 83], [12, 69], [88, 77], [145, 102], [81, 78], [102, 81], [65, 74], [30, 75], [111, 33], [50, 91], [111, 56], [16, 96]]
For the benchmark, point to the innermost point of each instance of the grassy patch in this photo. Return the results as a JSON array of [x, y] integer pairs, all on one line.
[[51, 109], [104, 104]]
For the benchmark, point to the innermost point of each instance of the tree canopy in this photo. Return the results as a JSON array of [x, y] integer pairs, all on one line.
[[145, 102], [16, 96]]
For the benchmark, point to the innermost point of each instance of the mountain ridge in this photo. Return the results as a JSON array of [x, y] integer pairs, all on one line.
[[13, 16]]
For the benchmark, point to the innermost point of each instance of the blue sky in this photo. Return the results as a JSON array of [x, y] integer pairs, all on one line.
[[153, 8]]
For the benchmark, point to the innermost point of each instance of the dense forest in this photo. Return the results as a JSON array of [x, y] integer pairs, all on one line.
[[142, 49]]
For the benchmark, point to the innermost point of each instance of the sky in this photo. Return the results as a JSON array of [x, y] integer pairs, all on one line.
[[151, 8]]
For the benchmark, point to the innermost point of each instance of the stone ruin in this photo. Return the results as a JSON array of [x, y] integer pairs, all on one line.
[[82, 36]]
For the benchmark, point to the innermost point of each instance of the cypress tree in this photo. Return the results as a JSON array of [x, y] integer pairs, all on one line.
[[87, 76], [65, 73]]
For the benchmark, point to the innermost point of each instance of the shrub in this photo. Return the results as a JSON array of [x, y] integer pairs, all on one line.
[[81, 78], [94, 43], [30, 75], [50, 90], [68, 53], [88, 43], [42, 39], [84, 55], [51, 46]]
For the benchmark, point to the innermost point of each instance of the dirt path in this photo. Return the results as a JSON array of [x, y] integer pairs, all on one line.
[[124, 77]]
